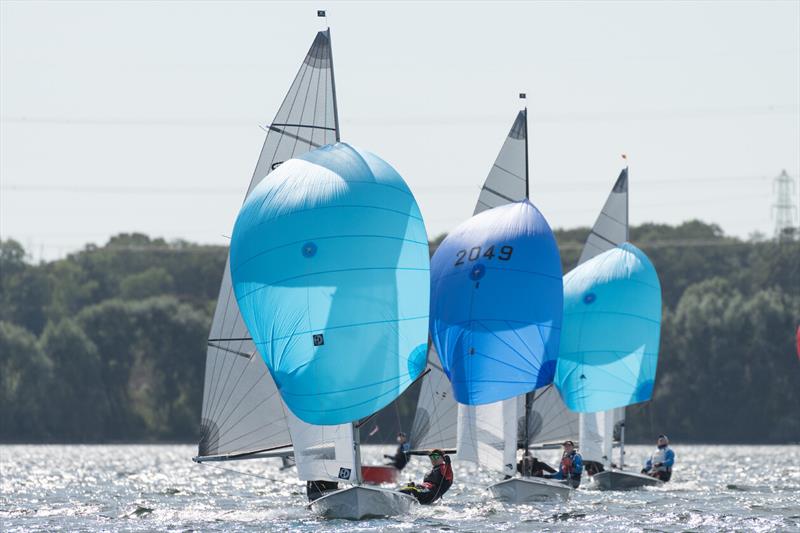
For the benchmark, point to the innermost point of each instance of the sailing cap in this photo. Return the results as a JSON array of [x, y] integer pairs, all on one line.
[[568, 442], [437, 451], [662, 436]]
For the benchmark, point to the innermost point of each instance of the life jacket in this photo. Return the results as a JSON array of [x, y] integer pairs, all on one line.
[[659, 456], [566, 465]]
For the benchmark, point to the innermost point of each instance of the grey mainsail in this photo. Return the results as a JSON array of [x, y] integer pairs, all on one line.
[[508, 178], [243, 413], [611, 227], [549, 421], [436, 417]]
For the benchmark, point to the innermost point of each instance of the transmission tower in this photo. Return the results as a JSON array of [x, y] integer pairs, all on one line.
[[784, 207]]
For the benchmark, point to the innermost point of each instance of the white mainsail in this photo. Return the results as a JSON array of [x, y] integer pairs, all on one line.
[[243, 414], [610, 230], [487, 435]]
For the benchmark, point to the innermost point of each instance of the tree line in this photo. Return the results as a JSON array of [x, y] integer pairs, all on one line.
[[108, 344]]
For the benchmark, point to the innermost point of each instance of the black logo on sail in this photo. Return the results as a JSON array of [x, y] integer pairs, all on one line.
[[319, 340], [344, 473]]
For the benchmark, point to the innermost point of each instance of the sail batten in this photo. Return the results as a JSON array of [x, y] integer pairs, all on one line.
[[242, 410]]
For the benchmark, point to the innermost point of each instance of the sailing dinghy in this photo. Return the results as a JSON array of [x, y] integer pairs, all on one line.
[[244, 414], [609, 346], [496, 319]]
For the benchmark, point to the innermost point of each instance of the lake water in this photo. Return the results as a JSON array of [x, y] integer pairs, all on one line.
[[159, 488]]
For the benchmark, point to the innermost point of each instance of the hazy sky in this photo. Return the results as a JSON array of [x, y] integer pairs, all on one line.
[[144, 116]]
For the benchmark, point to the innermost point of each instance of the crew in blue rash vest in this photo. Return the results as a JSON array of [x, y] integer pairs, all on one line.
[[400, 458], [659, 465], [571, 466], [435, 483]]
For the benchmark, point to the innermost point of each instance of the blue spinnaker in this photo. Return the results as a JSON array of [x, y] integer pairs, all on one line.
[[612, 323], [497, 296], [329, 261]]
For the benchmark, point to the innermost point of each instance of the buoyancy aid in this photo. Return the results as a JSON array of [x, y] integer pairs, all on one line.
[[659, 456]]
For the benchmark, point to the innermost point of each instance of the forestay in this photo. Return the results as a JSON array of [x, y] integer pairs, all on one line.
[[329, 259], [242, 410]]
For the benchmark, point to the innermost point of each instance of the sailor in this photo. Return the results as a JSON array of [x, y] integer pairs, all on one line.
[[435, 483], [318, 488], [531, 466], [400, 458], [571, 466], [659, 465]]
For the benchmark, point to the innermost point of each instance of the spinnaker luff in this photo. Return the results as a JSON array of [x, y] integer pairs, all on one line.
[[329, 261]]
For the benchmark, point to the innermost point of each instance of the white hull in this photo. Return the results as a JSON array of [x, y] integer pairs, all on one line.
[[355, 503], [522, 490], [621, 480]]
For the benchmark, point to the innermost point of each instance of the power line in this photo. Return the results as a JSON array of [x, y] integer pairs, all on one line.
[[146, 189]]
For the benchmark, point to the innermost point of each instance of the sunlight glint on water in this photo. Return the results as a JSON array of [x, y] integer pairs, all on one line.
[[145, 488]]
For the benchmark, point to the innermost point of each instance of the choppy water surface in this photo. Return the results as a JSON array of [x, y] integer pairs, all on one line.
[[146, 488]]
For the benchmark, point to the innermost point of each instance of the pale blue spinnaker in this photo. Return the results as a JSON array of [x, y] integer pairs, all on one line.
[[329, 260], [610, 333]]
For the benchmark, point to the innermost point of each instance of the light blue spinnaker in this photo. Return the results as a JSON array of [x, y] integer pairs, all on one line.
[[329, 260], [610, 334], [496, 288]]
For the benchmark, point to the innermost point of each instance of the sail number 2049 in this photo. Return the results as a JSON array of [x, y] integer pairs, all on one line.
[[503, 253]]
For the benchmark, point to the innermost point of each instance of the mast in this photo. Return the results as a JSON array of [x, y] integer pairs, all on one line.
[[529, 399], [357, 452], [523, 96], [333, 89]]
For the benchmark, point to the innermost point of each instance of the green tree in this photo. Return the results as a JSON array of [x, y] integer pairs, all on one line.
[[80, 409], [25, 376]]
